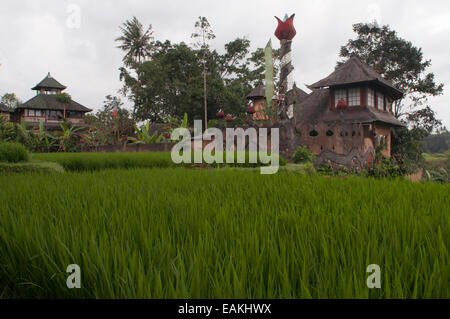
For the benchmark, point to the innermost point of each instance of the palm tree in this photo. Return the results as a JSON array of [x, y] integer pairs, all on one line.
[[136, 42], [64, 99]]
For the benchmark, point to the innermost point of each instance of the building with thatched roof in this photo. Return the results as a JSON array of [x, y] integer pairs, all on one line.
[[345, 118], [45, 106]]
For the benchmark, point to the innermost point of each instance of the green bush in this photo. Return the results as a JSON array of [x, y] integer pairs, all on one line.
[[386, 169], [325, 169], [303, 155], [13, 153]]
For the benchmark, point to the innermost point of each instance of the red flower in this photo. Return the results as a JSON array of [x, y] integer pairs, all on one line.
[[251, 110], [115, 113], [247, 120], [167, 135], [341, 104], [82, 141], [230, 118], [220, 114], [125, 138], [285, 29]]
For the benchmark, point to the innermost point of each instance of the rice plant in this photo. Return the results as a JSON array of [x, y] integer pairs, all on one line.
[[177, 233]]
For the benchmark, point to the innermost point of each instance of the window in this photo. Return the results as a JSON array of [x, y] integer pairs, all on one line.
[[370, 97], [75, 115], [38, 113], [339, 95], [380, 101], [389, 105], [354, 96], [53, 115], [59, 115], [31, 113]]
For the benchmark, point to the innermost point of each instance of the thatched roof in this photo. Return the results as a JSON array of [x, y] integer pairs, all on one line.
[[4, 108], [316, 109], [259, 92], [295, 96], [355, 71], [49, 83], [49, 102]]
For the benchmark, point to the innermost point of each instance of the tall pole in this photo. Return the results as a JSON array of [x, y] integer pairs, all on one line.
[[286, 68], [285, 32]]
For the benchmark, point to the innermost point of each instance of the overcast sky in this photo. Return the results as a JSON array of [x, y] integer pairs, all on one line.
[[39, 36]]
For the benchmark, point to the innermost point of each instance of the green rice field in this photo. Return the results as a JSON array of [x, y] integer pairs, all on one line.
[[226, 233]]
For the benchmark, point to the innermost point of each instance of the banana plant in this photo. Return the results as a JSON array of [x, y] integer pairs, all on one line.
[[44, 139], [25, 136], [66, 136], [144, 137]]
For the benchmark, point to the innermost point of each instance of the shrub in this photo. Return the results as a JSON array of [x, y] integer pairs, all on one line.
[[13, 153], [303, 155], [325, 169], [385, 169]]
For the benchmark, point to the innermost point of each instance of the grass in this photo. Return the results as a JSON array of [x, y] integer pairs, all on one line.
[[36, 167], [176, 233], [102, 161]]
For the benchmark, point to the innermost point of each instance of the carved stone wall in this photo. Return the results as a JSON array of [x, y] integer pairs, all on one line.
[[339, 144]]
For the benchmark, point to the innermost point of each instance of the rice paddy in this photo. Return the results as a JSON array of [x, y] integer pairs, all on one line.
[[178, 233]]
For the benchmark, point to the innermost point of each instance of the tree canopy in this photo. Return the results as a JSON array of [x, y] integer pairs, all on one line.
[[171, 83]]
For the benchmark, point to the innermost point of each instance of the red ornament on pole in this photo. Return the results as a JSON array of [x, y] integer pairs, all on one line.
[[251, 110], [286, 29], [220, 114], [230, 118], [115, 113]]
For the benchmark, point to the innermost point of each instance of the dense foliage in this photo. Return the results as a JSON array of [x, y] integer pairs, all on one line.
[[437, 143], [303, 155], [170, 81], [13, 152], [176, 233]]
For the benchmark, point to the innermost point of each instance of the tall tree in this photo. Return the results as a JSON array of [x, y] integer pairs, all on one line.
[[171, 83], [397, 60], [135, 41], [10, 100], [203, 34]]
